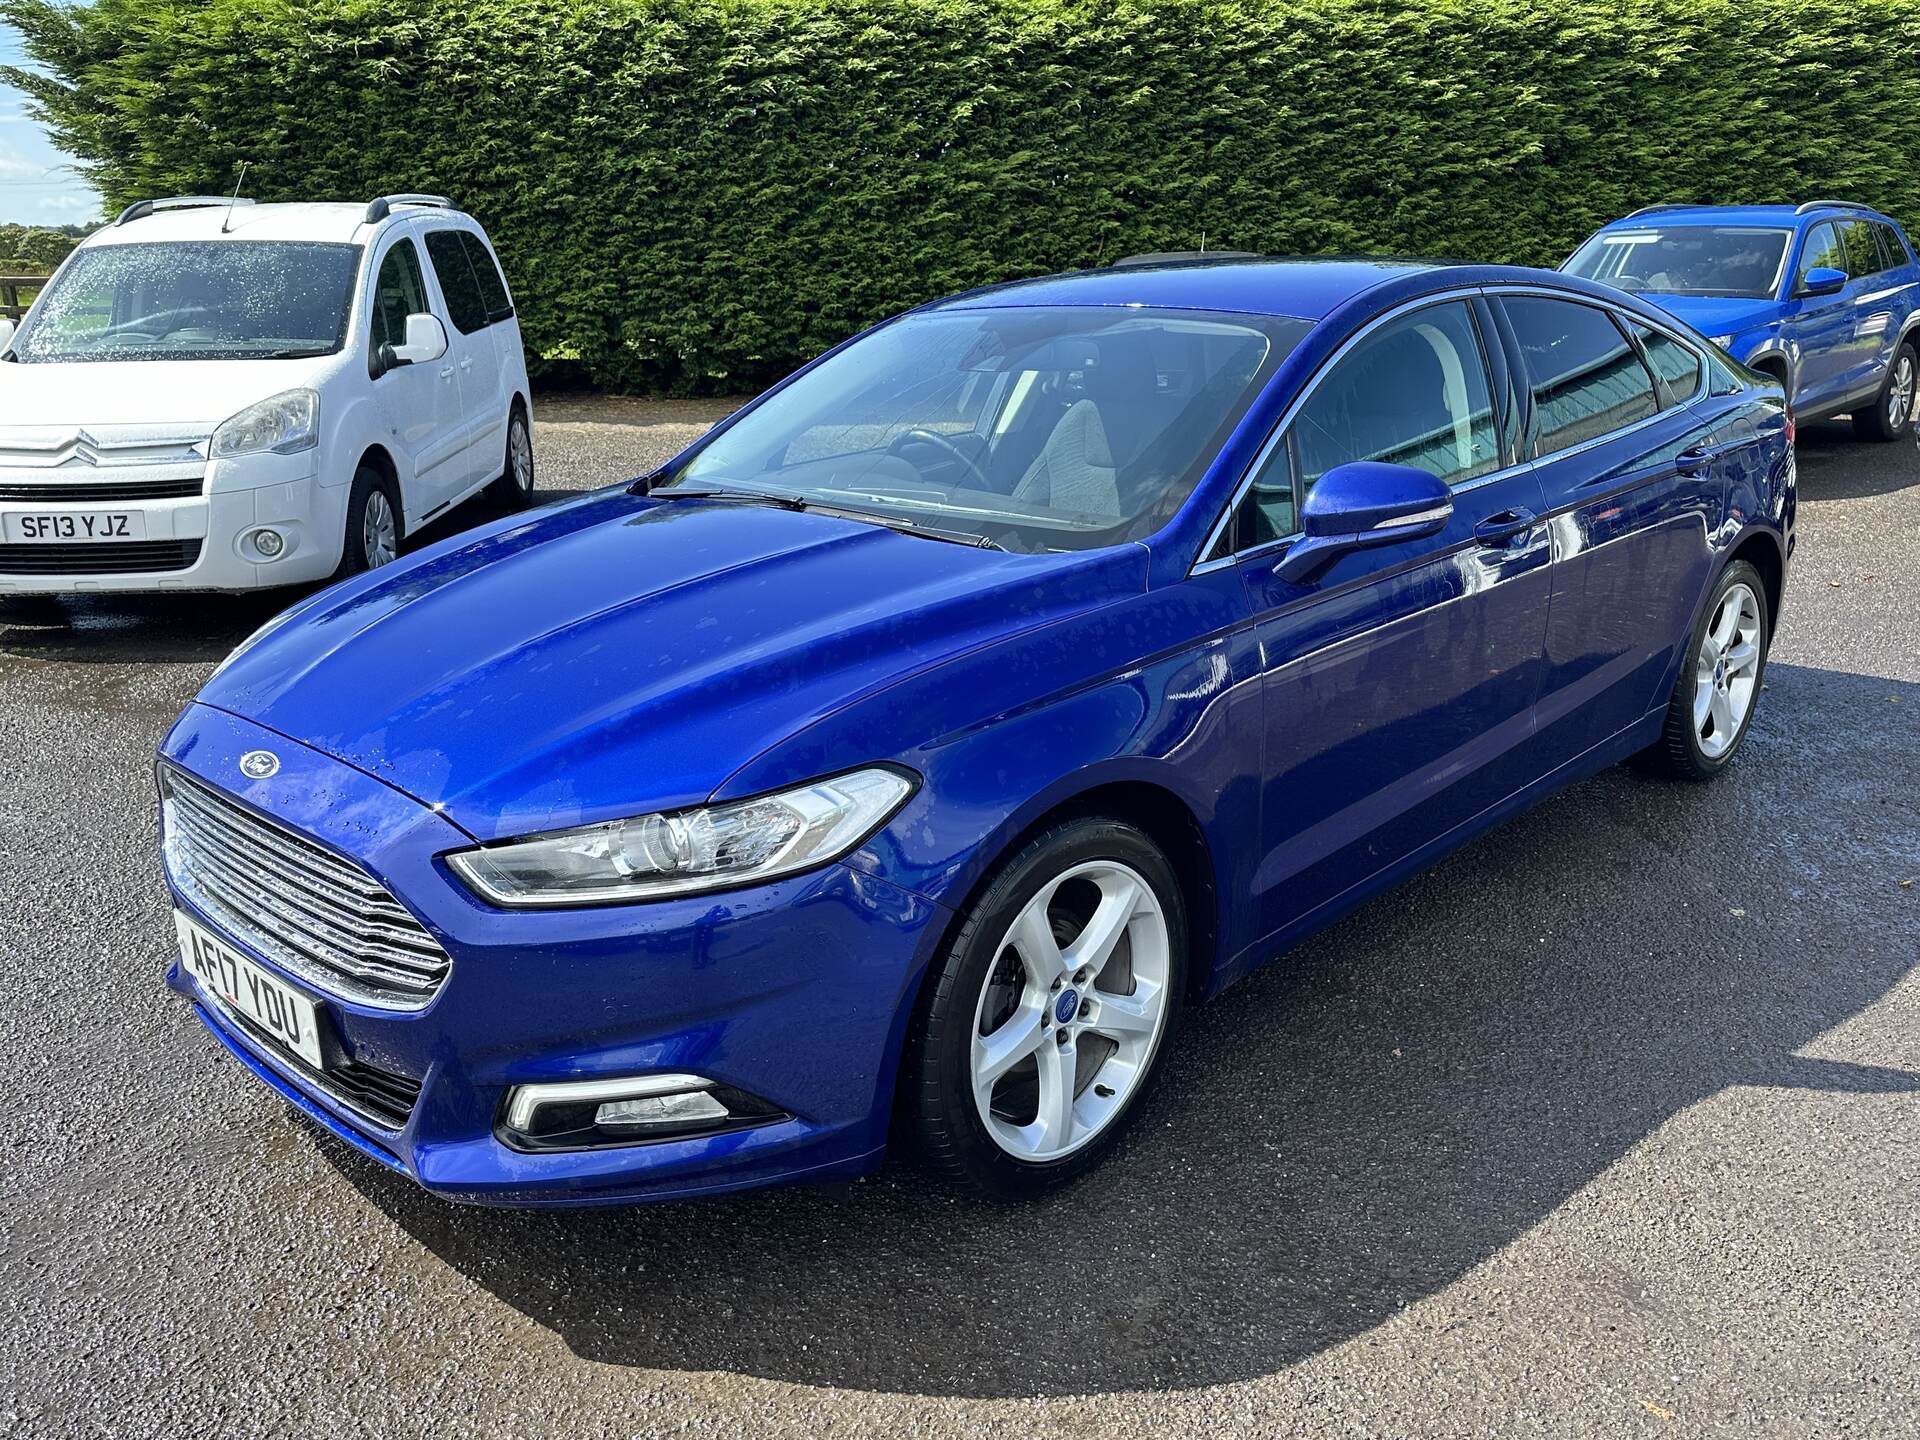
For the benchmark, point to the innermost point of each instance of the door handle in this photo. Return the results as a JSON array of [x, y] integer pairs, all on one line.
[[1696, 458], [446, 372], [466, 363], [1500, 528]]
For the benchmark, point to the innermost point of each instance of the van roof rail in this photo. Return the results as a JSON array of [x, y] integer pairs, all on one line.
[[140, 209], [1174, 257], [1834, 205], [1656, 209], [379, 209]]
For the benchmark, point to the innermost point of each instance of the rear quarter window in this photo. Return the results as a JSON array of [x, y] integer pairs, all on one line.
[[466, 306]]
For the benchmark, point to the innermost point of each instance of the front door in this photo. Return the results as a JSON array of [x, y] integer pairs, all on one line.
[[1399, 684], [419, 403]]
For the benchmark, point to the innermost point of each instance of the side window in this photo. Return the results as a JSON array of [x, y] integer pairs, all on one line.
[[1414, 392], [493, 288], [1822, 250], [399, 291], [458, 283], [1587, 380], [1267, 510], [1676, 369], [1892, 244], [1857, 243]]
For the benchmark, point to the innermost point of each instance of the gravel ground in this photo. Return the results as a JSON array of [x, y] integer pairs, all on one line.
[[1609, 1125]]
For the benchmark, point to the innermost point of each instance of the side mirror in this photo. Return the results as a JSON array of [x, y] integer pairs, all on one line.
[[1362, 505], [6, 333], [426, 340], [1821, 280]]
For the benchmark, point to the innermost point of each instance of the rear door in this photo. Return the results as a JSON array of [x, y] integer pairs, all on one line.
[[474, 355], [1627, 471], [419, 403], [1399, 684]]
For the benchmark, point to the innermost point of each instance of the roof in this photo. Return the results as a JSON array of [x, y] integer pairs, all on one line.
[[328, 220], [1304, 288], [1784, 215]]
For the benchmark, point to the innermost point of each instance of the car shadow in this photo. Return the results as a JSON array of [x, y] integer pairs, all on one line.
[[1835, 464], [1353, 1129]]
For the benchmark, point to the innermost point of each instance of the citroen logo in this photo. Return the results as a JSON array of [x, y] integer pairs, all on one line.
[[259, 764], [83, 447]]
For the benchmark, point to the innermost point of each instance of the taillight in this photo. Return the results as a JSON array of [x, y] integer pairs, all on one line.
[[1789, 426]]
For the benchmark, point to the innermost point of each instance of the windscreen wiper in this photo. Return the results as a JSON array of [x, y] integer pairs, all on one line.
[[913, 527], [643, 485], [744, 497]]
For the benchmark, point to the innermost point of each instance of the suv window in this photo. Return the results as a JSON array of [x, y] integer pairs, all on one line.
[[1822, 250], [399, 291], [1857, 243], [1586, 378], [465, 305], [1676, 369], [1891, 243], [493, 286]]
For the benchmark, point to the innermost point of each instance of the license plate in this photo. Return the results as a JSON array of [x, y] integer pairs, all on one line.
[[76, 527], [236, 983]]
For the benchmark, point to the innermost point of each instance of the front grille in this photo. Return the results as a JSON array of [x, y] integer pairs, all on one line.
[[133, 558], [374, 1094], [81, 491], [319, 915]]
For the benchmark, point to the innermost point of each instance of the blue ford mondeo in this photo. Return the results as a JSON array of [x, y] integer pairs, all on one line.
[[904, 755]]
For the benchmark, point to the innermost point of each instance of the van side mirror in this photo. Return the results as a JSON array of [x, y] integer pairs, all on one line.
[[1359, 506], [426, 340], [1822, 280], [6, 333]]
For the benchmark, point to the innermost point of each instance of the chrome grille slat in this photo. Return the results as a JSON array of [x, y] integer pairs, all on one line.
[[297, 903], [382, 915]]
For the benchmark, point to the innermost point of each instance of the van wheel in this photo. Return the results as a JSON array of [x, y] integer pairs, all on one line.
[[1719, 685], [1891, 415], [514, 488], [1045, 1020], [374, 524]]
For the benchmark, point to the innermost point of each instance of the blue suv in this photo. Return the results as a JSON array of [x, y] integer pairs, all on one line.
[[1825, 297]]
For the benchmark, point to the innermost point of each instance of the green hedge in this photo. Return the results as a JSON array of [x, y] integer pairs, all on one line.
[[696, 194]]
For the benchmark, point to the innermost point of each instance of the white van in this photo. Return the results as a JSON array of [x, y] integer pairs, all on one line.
[[217, 395]]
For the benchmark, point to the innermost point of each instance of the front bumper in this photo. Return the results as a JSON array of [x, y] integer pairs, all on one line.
[[208, 531], [794, 992]]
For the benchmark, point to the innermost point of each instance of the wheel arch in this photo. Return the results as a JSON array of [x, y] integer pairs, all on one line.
[[1761, 549]]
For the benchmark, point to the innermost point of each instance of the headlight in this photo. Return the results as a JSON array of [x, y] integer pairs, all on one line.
[[743, 842], [1723, 341], [282, 423]]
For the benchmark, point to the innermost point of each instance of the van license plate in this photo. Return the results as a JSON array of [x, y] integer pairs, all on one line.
[[76, 527]]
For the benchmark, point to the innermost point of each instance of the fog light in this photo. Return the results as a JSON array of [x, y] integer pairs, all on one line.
[[697, 1107], [589, 1114], [268, 543]]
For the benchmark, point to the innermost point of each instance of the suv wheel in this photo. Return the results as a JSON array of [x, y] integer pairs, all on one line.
[[1891, 415], [514, 488], [1044, 1023], [374, 525], [1719, 682]]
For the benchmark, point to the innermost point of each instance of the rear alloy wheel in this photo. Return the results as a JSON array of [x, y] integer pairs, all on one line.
[[1051, 1010], [1714, 697], [1892, 415]]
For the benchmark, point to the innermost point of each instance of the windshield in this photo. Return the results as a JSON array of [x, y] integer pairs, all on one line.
[[1033, 428], [194, 300], [1731, 262]]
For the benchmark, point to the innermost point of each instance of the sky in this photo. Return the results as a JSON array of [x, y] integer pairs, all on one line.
[[36, 188]]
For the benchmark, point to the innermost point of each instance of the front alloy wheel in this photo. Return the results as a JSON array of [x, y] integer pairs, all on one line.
[[1043, 1025], [1713, 700]]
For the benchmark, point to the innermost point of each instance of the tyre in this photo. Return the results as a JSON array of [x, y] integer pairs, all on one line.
[[1044, 1022], [1719, 684], [374, 524], [1890, 417], [514, 488]]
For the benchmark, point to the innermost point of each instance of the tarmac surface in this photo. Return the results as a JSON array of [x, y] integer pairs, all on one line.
[[1609, 1125]]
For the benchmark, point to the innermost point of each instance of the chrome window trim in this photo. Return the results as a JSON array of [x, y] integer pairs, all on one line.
[[1494, 291]]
